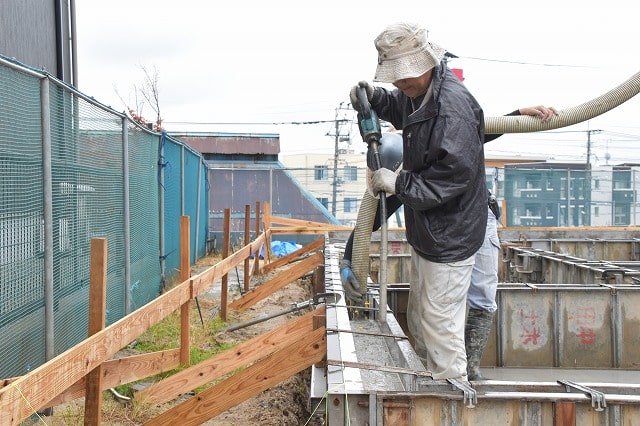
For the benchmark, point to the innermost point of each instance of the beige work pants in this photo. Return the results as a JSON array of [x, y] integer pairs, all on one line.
[[436, 314]]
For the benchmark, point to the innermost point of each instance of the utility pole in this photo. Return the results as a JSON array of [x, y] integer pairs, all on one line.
[[336, 155], [588, 181], [589, 132], [335, 168]]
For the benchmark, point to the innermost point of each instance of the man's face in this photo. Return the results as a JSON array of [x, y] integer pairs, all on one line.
[[415, 86]]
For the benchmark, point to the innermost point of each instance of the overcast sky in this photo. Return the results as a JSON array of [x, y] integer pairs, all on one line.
[[295, 61]]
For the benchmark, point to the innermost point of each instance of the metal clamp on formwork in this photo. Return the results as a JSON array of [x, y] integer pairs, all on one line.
[[326, 298], [597, 397], [469, 394]]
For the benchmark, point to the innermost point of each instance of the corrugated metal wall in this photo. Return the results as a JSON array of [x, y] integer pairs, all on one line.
[[242, 185], [28, 33]]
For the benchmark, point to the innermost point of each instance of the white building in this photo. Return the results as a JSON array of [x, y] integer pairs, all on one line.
[[338, 185]]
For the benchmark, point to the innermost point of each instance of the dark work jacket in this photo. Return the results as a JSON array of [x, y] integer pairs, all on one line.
[[442, 184], [393, 203]]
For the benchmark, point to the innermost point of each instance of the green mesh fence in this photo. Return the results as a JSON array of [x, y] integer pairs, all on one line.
[[72, 170], [171, 176], [195, 192], [21, 247], [144, 215], [184, 180]]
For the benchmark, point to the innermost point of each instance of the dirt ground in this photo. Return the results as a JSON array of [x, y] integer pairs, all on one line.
[[288, 402], [285, 404]]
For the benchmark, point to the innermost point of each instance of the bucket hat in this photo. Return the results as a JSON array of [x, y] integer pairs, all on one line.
[[404, 52]]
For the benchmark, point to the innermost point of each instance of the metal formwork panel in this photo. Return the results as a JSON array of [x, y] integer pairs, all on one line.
[[553, 327], [431, 411], [629, 333], [588, 248], [554, 347], [513, 408], [566, 326], [535, 234], [396, 241], [585, 332], [398, 257], [598, 249], [541, 266], [525, 328], [398, 268]]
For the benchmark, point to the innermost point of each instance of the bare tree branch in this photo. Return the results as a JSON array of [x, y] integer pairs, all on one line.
[[151, 93], [147, 93]]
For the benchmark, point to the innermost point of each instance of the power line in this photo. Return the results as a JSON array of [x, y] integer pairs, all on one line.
[[526, 63], [240, 123]]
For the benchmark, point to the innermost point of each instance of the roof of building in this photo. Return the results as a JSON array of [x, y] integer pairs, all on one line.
[[231, 143]]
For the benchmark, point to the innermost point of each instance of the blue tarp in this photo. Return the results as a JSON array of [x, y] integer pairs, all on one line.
[[281, 248]]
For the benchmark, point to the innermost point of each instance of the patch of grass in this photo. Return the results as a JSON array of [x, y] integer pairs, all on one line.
[[162, 336], [206, 341], [166, 335]]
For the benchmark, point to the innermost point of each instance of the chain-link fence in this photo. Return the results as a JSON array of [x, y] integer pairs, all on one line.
[[71, 170]]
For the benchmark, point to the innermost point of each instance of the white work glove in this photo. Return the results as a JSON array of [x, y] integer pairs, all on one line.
[[370, 184], [384, 180], [354, 98]]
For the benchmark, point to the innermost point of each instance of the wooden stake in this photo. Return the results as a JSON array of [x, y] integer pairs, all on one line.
[[267, 225], [97, 311], [185, 274], [225, 253], [256, 257], [247, 240]]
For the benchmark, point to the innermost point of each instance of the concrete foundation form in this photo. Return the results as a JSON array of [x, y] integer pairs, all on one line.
[[557, 351]]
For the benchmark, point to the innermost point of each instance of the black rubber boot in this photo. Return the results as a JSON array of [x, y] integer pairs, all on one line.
[[476, 335]]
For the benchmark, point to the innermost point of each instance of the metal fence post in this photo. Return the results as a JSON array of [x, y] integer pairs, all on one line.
[[126, 218], [161, 163], [47, 192], [199, 188]]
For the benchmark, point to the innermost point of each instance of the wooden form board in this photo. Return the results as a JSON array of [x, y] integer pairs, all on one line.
[[269, 371], [63, 377], [33, 391], [120, 371], [299, 223], [226, 362], [286, 277]]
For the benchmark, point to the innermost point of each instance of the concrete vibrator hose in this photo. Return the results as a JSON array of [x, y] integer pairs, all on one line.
[[493, 125]]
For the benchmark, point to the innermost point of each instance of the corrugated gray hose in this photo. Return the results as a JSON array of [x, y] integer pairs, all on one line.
[[493, 125]]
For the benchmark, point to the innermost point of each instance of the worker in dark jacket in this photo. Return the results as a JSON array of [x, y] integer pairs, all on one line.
[[481, 297], [441, 185]]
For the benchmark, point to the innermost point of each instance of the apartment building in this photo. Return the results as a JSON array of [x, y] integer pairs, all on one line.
[[338, 181], [570, 194]]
